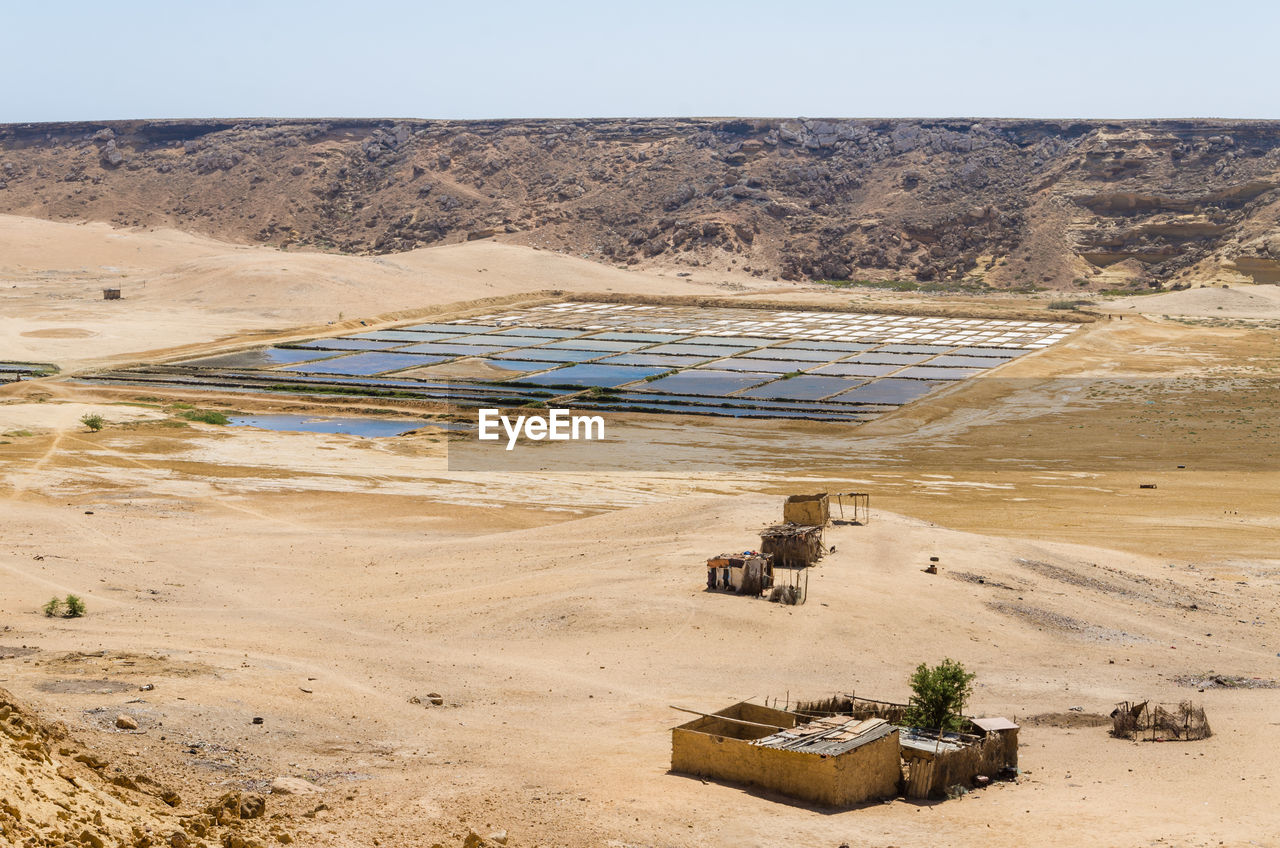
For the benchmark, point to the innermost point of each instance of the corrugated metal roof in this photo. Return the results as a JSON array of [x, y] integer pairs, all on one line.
[[993, 724], [928, 742], [829, 736]]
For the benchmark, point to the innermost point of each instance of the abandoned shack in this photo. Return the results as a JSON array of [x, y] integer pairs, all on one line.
[[933, 762], [111, 294], [936, 761], [747, 574], [814, 510], [836, 762], [792, 545]]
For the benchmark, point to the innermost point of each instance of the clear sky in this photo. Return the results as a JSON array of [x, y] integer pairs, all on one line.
[[497, 59]]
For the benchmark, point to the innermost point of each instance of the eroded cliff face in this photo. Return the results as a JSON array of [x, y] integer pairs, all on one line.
[[1072, 204]]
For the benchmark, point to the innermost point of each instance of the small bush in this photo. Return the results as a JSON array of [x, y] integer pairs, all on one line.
[[93, 421], [208, 416], [938, 695], [1063, 304], [70, 607], [790, 374], [535, 404]]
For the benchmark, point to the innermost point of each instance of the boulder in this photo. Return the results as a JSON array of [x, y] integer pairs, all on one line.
[[294, 786], [111, 156]]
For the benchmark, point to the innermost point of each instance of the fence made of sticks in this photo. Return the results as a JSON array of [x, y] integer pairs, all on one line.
[[1144, 721], [851, 705]]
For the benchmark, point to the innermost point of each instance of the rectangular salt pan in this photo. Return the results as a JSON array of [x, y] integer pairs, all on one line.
[[794, 354], [714, 383], [594, 344], [605, 376], [856, 369], [542, 353], [459, 329], [365, 364], [804, 387], [695, 349], [664, 360], [888, 391], [348, 344], [264, 358]]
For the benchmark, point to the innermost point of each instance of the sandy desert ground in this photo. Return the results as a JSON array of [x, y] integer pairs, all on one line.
[[324, 582]]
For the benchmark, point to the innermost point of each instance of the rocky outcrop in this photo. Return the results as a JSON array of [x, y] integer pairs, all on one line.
[[54, 792], [1004, 203]]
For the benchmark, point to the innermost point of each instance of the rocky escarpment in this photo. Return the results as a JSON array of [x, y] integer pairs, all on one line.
[[1066, 204]]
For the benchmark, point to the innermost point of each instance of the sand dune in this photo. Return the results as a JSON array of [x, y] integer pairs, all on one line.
[[1238, 301], [181, 290]]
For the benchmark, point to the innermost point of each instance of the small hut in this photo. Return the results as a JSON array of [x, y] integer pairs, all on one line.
[[813, 510], [937, 760], [792, 545], [111, 294], [747, 574]]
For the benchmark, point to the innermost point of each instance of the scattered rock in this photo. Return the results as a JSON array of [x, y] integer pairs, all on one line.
[[237, 805], [111, 157], [126, 722], [294, 786], [91, 761]]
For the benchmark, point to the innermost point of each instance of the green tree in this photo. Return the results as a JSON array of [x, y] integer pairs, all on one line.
[[93, 421], [938, 695]]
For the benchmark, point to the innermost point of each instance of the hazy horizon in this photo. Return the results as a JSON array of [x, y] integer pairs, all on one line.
[[1095, 60]]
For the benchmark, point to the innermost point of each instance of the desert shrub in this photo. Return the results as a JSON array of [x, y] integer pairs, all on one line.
[[75, 606], [208, 416], [938, 695], [93, 421], [54, 607], [1063, 304]]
